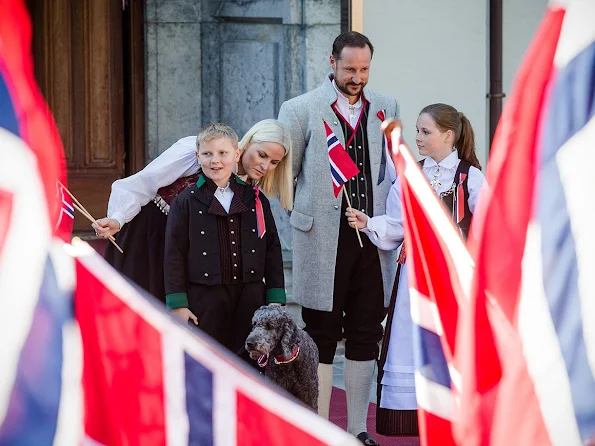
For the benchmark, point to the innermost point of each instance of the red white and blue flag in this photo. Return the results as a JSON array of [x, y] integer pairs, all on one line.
[[65, 221], [146, 378], [149, 380], [439, 270], [534, 287], [522, 368], [37, 404], [342, 166]]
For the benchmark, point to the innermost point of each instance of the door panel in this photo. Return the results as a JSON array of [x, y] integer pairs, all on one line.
[[79, 67]]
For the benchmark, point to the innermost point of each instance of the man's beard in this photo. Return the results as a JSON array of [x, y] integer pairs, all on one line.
[[344, 88]]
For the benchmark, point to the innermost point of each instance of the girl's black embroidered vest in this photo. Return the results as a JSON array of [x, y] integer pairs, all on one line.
[[456, 199]]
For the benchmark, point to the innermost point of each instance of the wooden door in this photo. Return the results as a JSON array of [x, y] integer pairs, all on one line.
[[78, 51]]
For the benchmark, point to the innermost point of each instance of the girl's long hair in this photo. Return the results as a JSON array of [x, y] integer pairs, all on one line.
[[446, 118]]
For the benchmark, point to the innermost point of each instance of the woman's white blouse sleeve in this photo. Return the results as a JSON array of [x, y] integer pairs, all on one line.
[[131, 193], [386, 231]]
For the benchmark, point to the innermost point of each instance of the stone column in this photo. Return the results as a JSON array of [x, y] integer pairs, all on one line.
[[173, 72]]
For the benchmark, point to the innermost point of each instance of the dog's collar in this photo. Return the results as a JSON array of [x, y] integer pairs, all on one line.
[[282, 360], [263, 360]]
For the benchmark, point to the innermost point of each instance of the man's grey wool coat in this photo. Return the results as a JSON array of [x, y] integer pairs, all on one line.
[[316, 212]]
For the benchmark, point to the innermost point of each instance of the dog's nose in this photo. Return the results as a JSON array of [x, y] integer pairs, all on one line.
[[250, 345]]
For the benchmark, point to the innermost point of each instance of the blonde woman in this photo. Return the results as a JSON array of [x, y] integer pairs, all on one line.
[[139, 204]]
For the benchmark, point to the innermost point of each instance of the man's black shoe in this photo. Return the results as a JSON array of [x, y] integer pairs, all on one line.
[[367, 439]]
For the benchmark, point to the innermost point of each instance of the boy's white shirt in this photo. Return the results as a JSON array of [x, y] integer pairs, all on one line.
[[224, 195]]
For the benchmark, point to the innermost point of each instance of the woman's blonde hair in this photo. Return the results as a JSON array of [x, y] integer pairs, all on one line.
[[279, 180]]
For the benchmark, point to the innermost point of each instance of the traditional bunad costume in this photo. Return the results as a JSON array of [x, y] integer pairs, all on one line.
[[222, 258], [458, 185], [141, 203], [339, 284]]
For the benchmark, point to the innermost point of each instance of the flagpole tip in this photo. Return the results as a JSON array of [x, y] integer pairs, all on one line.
[[388, 125]]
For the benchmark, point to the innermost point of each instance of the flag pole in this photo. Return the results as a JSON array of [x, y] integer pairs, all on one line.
[[355, 227], [79, 207]]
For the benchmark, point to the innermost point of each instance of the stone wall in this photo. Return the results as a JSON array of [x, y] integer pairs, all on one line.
[[234, 61], [173, 72]]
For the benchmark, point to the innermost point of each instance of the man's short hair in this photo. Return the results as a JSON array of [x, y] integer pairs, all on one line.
[[352, 39], [214, 131]]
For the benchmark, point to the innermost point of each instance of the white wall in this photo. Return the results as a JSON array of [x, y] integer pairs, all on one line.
[[519, 23], [429, 51]]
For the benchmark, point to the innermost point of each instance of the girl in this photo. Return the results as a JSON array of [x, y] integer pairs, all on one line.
[[446, 139], [139, 204]]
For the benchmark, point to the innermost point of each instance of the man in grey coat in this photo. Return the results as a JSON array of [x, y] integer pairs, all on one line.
[[343, 288]]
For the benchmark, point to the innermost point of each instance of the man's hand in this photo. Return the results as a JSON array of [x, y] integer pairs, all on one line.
[[185, 314], [104, 227], [356, 218]]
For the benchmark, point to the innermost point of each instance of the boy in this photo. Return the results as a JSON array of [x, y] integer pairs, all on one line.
[[216, 252]]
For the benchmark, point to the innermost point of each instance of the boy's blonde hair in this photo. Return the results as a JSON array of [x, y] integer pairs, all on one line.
[[278, 181], [216, 130]]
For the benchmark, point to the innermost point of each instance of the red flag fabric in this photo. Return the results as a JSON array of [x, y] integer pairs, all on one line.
[[34, 122], [149, 380], [65, 220], [35, 273], [342, 166], [498, 401], [439, 272]]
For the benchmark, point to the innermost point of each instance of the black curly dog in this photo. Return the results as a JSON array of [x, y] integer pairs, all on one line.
[[287, 353]]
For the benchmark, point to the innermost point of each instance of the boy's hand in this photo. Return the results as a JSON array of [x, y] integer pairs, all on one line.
[[185, 314], [356, 218], [104, 227]]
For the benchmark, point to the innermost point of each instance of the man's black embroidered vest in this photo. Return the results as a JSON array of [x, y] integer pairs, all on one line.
[[356, 144]]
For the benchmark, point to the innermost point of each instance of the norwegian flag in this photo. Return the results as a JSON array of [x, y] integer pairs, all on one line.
[[65, 221], [342, 166], [38, 403], [534, 288], [439, 271], [146, 378], [149, 380]]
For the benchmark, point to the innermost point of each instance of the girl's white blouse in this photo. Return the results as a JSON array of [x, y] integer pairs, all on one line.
[[387, 231]]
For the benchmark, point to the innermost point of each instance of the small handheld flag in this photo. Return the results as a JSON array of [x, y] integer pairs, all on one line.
[[65, 220], [342, 166]]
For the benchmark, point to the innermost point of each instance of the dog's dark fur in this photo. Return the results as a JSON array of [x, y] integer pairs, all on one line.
[[275, 334]]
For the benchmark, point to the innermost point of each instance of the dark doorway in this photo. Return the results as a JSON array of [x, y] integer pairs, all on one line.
[[88, 58]]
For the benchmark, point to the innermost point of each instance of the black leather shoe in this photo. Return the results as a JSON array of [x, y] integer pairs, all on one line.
[[367, 439]]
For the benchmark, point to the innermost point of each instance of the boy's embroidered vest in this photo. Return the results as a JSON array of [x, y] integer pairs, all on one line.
[[356, 144], [455, 201]]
